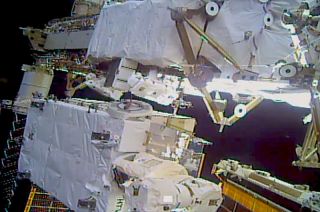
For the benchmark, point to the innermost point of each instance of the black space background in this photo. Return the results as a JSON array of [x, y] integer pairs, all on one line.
[[14, 52], [266, 138], [15, 48]]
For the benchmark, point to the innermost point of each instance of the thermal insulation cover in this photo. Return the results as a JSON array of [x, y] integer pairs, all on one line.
[[59, 153], [240, 29], [143, 31]]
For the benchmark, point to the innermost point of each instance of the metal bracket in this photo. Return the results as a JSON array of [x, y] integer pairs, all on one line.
[[185, 42], [93, 106], [38, 104], [24, 175], [6, 104], [89, 203], [216, 110], [103, 140], [136, 191], [250, 106], [309, 152]]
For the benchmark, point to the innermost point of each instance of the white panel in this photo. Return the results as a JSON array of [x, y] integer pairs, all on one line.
[[135, 136], [142, 31], [238, 17], [33, 82], [68, 40], [59, 153]]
